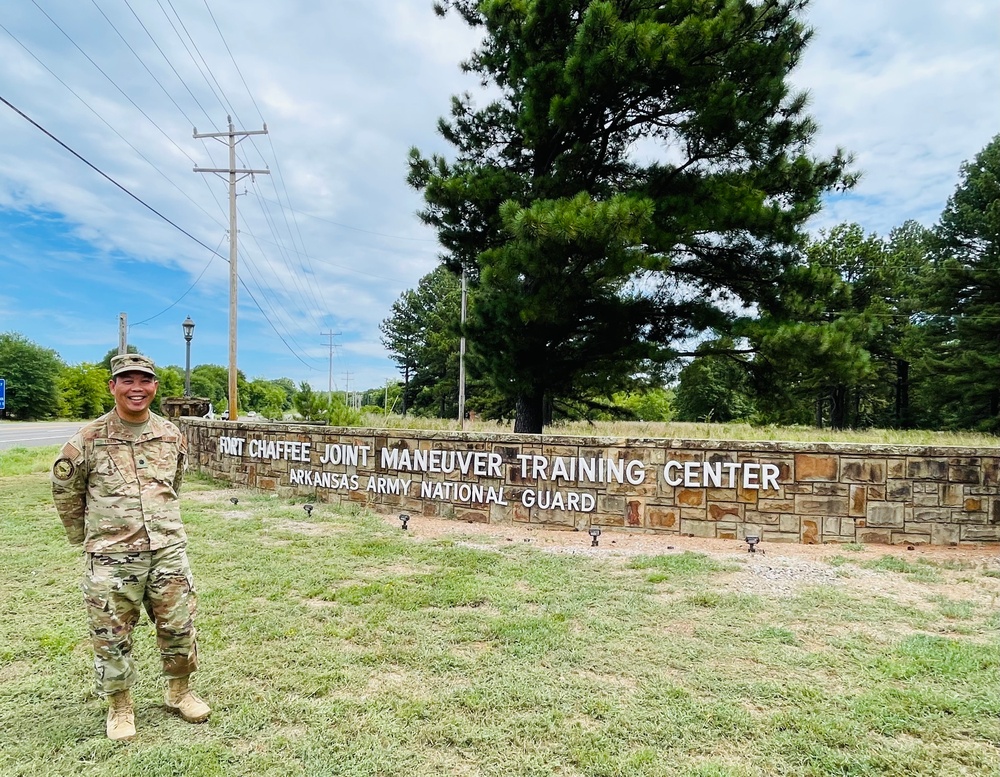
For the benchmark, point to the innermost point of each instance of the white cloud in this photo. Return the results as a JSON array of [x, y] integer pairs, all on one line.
[[346, 89]]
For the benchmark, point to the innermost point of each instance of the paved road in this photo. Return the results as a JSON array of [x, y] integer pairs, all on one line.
[[33, 434]]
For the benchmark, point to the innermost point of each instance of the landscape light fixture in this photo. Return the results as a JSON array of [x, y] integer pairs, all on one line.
[[309, 509], [404, 519], [188, 327], [752, 540], [234, 500], [594, 534]]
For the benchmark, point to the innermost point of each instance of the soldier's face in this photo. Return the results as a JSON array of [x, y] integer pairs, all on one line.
[[133, 392]]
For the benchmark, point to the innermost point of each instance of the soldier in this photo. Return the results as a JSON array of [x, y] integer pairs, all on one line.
[[115, 486]]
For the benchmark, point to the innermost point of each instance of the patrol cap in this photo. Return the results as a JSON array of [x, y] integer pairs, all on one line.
[[132, 362]]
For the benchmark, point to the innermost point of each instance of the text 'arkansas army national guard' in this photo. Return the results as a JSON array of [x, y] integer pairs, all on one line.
[[115, 486]]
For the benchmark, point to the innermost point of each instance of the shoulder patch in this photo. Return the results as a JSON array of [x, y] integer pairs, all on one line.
[[63, 468]]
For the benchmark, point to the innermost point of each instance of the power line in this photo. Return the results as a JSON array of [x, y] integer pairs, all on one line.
[[331, 335], [170, 64], [226, 103], [202, 58], [339, 266], [105, 122], [284, 211], [309, 290], [260, 287], [141, 62], [149, 207], [252, 142], [189, 289], [197, 66], [358, 229], [271, 324], [112, 81], [100, 172], [134, 104], [231, 57]]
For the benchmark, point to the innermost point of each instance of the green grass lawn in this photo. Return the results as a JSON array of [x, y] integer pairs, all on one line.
[[336, 644]]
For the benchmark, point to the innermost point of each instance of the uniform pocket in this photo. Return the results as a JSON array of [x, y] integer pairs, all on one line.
[[123, 461], [105, 476]]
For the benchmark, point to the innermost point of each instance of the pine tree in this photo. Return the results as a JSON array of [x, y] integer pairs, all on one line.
[[964, 295], [643, 171]]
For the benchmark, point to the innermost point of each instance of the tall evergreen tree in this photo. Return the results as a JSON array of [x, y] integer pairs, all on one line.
[[908, 253], [825, 348], [840, 340], [422, 335], [643, 170], [965, 295]]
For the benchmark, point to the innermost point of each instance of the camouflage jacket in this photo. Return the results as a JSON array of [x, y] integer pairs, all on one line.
[[117, 494]]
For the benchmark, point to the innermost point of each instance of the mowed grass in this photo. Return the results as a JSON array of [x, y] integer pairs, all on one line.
[[337, 644]]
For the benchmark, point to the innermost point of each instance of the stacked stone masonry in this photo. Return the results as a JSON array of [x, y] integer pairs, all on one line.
[[784, 492]]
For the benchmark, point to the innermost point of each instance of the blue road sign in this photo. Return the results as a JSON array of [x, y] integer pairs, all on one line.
[[3, 394]]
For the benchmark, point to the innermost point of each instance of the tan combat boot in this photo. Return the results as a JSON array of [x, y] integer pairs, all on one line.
[[181, 700], [121, 716]]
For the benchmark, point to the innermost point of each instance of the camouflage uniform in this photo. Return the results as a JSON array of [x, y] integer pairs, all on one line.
[[117, 495]]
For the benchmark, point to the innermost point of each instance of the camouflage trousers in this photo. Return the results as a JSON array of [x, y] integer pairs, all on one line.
[[115, 586]]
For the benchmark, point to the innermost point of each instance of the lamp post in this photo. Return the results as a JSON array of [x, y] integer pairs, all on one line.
[[188, 326]]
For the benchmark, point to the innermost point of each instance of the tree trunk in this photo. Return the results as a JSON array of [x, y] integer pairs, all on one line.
[[902, 394], [406, 387], [838, 407], [529, 413]]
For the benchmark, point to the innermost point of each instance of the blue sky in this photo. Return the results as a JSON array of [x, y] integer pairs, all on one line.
[[330, 239]]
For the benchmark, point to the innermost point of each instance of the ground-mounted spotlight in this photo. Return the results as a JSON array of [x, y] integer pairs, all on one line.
[[234, 500], [594, 534], [309, 509], [404, 519], [752, 540]]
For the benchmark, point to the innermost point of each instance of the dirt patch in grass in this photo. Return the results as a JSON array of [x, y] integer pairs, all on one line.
[[307, 528], [782, 569]]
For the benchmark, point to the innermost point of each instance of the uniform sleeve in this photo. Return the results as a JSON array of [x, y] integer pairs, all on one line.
[[181, 464], [69, 489]]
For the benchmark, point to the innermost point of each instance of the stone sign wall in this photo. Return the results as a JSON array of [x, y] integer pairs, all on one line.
[[791, 492]]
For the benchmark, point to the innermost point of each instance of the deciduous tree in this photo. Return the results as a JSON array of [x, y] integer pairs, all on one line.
[[83, 391], [31, 374]]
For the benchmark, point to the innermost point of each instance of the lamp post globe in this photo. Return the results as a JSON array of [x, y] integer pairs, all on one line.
[[188, 327]]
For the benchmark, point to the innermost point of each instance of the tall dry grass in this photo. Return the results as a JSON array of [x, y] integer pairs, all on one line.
[[702, 431]]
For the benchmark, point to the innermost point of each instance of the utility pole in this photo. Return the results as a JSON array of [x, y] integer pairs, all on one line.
[[347, 390], [461, 362], [330, 335], [122, 333], [232, 171]]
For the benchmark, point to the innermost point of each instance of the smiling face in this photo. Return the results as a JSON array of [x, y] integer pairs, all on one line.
[[133, 393]]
